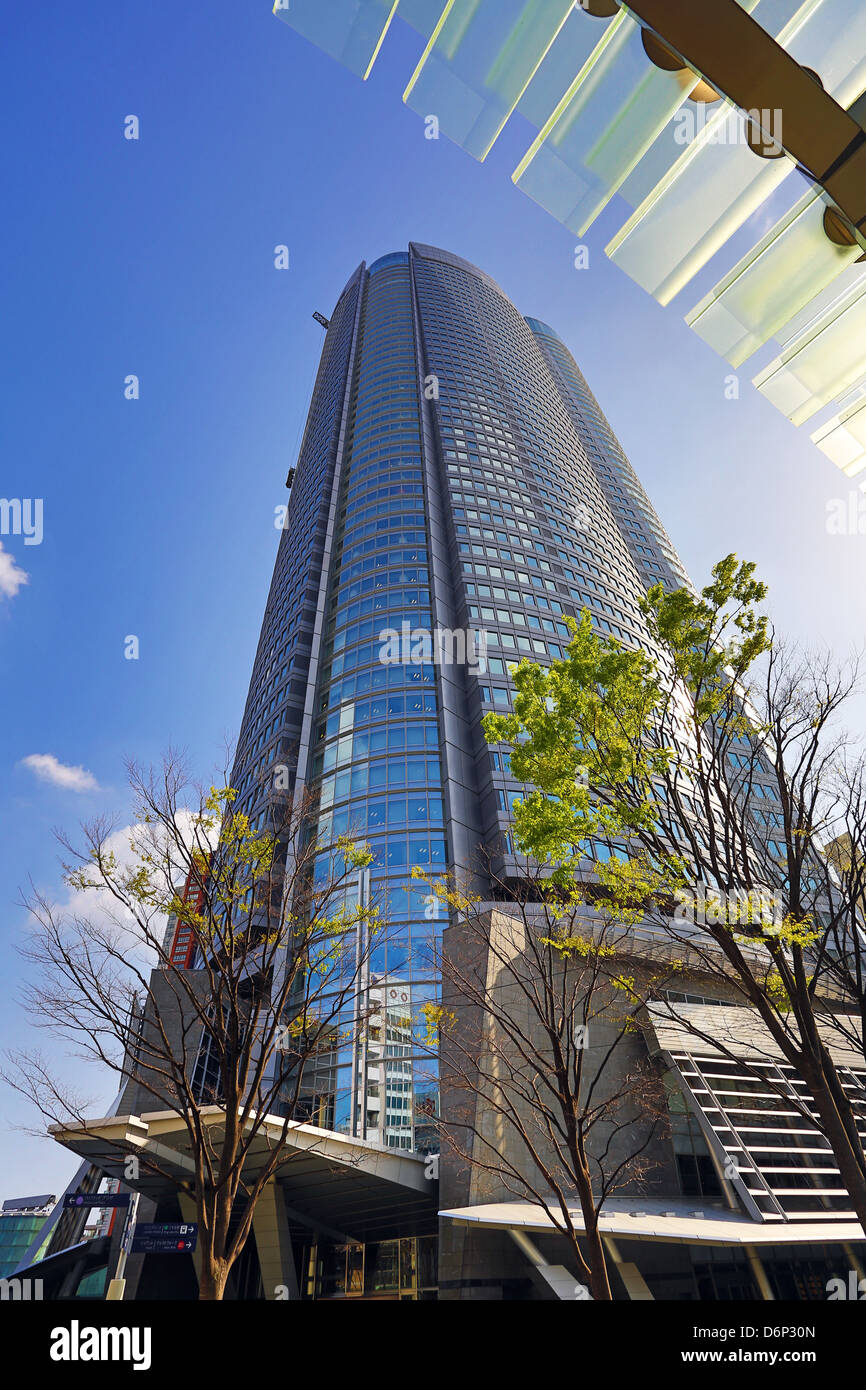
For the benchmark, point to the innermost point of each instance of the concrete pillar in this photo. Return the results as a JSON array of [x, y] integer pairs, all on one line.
[[636, 1286], [557, 1277], [274, 1245], [855, 1263], [760, 1274]]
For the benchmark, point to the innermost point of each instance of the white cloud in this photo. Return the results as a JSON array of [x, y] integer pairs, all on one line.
[[11, 577], [49, 769], [100, 907], [102, 910]]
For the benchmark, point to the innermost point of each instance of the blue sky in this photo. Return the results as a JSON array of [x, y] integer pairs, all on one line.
[[156, 257]]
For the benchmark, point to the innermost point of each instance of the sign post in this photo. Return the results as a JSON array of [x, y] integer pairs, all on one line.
[[117, 1285]]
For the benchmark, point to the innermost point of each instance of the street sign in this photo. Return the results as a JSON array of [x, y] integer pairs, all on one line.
[[95, 1199], [164, 1238]]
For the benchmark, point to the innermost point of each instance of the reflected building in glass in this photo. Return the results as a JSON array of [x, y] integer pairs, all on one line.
[[455, 475]]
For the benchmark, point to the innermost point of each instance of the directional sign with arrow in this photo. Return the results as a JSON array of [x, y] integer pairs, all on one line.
[[164, 1238], [95, 1199]]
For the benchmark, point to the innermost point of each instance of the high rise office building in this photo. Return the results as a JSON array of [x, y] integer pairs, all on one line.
[[456, 475]]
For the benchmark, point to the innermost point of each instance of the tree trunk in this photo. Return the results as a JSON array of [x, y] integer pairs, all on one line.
[[215, 1265], [599, 1284], [849, 1161], [212, 1284]]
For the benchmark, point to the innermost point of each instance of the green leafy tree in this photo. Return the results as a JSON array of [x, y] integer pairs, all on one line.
[[273, 993], [703, 770]]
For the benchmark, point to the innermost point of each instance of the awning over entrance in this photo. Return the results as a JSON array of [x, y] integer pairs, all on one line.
[[659, 1218], [347, 1188]]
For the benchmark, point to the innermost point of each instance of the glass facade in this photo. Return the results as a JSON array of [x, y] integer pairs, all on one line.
[[648, 544], [544, 515], [16, 1237], [456, 475], [402, 1269], [375, 767]]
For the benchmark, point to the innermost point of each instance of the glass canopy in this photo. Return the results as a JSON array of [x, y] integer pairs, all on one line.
[[352, 31], [826, 360], [606, 120], [843, 439], [619, 122], [778, 278], [478, 62]]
